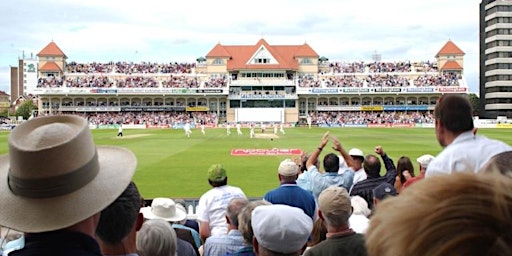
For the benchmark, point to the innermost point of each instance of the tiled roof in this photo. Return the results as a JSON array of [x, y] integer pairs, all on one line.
[[451, 65], [51, 50], [450, 49], [50, 66], [239, 55]]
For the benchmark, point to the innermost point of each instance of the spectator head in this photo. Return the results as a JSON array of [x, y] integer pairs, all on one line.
[[372, 166], [334, 207], [280, 229], [500, 163], [40, 180], [357, 156], [404, 164], [331, 163], [360, 206], [217, 176], [164, 209], [233, 210], [461, 213], [453, 116], [305, 158], [288, 170], [157, 238], [383, 191], [423, 161], [244, 220], [121, 217]]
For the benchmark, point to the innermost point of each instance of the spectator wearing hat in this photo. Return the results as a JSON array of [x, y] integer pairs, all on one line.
[[372, 167], [383, 191], [119, 223], [54, 199], [245, 227], [288, 192], [157, 238], [335, 209], [463, 149], [280, 230], [358, 157], [460, 214], [211, 210], [166, 209], [423, 162], [233, 240], [360, 212], [320, 181]]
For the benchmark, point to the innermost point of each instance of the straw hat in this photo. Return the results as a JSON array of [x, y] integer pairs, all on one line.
[[55, 176], [164, 209]]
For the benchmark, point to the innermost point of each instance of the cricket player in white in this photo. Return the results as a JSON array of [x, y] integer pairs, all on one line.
[[202, 129], [187, 129], [275, 128], [238, 129], [228, 129], [281, 128], [252, 131]]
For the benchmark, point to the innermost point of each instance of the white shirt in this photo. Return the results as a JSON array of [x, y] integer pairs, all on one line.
[[212, 207], [467, 153], [359, 176], [359, 223]]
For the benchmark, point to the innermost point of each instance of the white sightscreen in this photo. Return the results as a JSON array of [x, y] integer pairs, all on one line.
[[259, 115]]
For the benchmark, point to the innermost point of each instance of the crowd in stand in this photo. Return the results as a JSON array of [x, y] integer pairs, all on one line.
[[130, 68], [460, 202], [331, 118], [151, 118], [382, 67]]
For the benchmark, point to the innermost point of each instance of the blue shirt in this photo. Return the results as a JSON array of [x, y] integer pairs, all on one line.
[[222, 244], [245, 251], [292, 195], [304, 181], [195, 234], [321, 181]]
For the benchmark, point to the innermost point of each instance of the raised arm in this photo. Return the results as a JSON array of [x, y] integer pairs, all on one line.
[[337, 146], [388, 163], [314, 156]]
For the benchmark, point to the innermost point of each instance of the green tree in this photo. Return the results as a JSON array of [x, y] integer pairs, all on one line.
[[475, 101], [25, 109]]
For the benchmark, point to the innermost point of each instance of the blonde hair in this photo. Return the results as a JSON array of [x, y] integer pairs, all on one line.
[[457, 214]]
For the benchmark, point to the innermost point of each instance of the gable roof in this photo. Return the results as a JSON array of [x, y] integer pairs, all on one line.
[[51, 50], [239, 55], [450, 49], [50, 66], [451, 65]]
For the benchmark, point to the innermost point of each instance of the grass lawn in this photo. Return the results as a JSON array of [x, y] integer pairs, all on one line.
[[172, 165]]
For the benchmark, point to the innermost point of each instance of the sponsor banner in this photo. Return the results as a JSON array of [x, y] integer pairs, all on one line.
[[210, 91], [420, 89], [107, 126], [485, 125], [503, 125], [356, 90], [402, 125], [262, 96], [160, 126], [152, 108], [7, 126], [355, 125], [197, 109], [371, 108], [426, 125], [377, 125], [387, 89], [405, 108], [338, 108], [114, 91], [451, 89], [324, 91], [266, 152]]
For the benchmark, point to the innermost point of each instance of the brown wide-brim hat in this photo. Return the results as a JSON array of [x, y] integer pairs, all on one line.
[[54, 175]]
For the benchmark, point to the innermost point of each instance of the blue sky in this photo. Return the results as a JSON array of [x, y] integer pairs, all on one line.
[[169, 31]]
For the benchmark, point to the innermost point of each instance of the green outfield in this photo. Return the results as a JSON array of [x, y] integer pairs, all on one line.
[[172, 165]]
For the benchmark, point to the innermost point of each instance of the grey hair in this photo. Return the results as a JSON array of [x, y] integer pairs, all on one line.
[[157, 238]]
